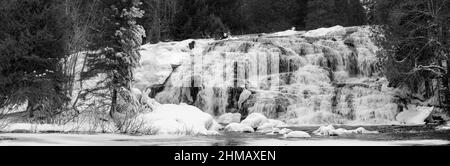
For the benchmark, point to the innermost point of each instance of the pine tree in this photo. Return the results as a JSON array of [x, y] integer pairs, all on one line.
[[32, 46], [158, 19], [327, 13], [115, 49], [321, 13]]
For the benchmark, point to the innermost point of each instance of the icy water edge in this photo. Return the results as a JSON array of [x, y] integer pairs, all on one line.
[[388, 136]]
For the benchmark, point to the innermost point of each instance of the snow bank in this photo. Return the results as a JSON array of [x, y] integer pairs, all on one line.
[[297, 134], [414, 116], [171, 119], [331, 131], [69, 127], [444, 127], [229, 118], [255, 120], [237, 127], [289, 32], [322, 32]]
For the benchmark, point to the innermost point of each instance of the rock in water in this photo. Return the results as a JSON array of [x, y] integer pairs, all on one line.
[[237, 127], [297, 134], [364, 131], [324, 130], [255, 120], [229, 118], [331, 131], [284, 131], [271, 126]]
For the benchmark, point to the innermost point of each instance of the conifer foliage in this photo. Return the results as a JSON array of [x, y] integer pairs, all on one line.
[[326, 13], [115, 45], [32, 46]]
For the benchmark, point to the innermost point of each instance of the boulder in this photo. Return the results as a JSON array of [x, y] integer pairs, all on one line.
[[284, 131], [297, 134], [414, 115], [237, 127], [255, 120], [229, 118], [331, 131]]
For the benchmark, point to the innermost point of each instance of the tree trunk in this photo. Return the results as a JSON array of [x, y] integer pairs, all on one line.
[[113, 103], [447, 88]]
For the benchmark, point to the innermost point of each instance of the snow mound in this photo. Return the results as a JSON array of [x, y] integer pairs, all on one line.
[[237, 127], [297, 134], [229, 118], [255, 120], [183, 119], [322, 32], [415, 116], [331, 131]]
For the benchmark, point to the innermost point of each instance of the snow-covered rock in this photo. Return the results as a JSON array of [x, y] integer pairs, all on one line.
[[414, 116], [229, 118], [183, 119], [362, 130], [271, 126], [266, 129], [237, 127], [297, 134], [289, 32], [217, 127], [99, 127], [255, 120], [284, 131], [322, 32], [325, 130], [243, 97], [331, 131]]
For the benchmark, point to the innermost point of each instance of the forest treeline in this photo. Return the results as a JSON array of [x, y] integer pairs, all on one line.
[[178, 20], [38, 37]]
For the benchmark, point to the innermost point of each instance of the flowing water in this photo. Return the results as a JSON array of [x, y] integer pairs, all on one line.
[[300, 78]]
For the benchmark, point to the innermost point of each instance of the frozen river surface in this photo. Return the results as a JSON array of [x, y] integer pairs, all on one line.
[[388, 136]]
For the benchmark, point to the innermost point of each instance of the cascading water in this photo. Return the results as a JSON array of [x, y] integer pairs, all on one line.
[[317, 77]]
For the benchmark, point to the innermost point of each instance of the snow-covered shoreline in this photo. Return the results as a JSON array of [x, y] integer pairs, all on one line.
[[125, 140]]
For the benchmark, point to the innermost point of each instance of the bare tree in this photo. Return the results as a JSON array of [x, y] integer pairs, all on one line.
[[416, 43], [82, 16]]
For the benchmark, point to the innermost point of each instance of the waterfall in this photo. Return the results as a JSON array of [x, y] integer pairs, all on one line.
[[300, 79]]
